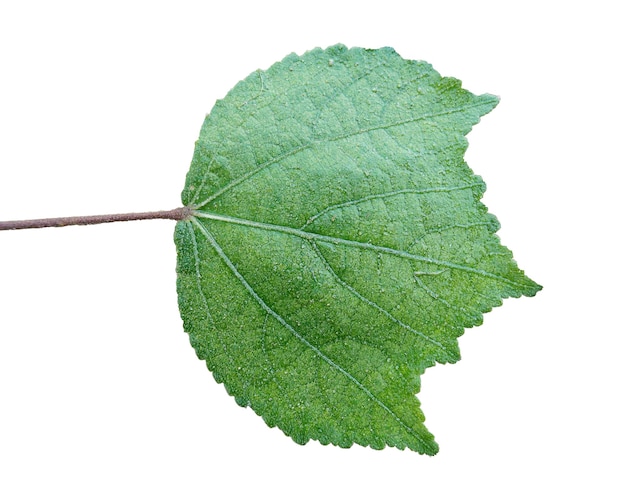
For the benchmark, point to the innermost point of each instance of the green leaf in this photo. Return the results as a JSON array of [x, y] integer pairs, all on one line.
[[338, 246]]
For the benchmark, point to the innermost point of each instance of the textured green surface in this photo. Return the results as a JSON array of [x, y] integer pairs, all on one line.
[[339, 246]]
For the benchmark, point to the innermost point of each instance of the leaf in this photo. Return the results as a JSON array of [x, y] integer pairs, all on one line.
[[338, 246]]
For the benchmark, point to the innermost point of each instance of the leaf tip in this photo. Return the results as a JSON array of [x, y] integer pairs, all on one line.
[[490, 101]]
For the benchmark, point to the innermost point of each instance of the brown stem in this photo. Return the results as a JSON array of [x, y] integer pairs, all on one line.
[[177, 214]]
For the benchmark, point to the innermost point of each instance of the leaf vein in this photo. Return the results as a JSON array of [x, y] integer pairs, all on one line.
[[196, 257], [309, 145], [345, 204], [218, 249], [204, 178], [373, 304], [205, 301], [433, 294], [356, 244]]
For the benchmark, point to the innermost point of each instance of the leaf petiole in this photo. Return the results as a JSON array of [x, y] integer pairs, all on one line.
[[176, 214]]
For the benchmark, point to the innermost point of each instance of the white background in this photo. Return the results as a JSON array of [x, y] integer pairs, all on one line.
[[100, 105]]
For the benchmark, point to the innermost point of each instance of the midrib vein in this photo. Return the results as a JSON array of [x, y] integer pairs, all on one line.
[[218, 249], [307, 235]]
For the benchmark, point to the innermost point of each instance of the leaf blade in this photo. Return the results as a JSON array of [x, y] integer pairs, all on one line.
[[338, 246]]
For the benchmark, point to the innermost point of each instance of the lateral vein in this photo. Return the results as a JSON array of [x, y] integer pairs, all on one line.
[[373, 304], [351, 134], [218, 249]]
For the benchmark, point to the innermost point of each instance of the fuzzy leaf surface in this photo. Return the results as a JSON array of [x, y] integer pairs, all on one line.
[[338, 245]]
